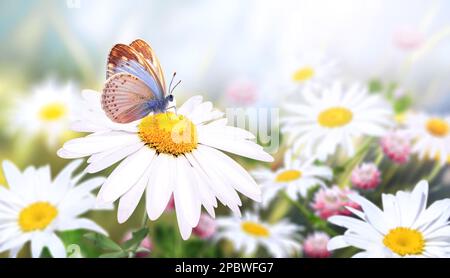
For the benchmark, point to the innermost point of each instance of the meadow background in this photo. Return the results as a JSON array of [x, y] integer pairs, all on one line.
[[212, 45]]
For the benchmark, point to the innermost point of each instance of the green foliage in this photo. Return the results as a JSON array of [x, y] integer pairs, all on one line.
[[402, 104], [169, 244], [399, 104], [375, 86], [77, 237], [113, 250]]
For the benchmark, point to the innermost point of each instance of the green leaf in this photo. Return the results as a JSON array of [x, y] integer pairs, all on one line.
[[119, 254], [402, 104], [136, 239], [103, 242], [390, 90], [375, 86], [77, 237]]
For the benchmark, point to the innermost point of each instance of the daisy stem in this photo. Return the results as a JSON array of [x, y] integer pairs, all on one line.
[[434, 172], [362, 150], [312, 220], [387, 178], [379, 157], [352, 162]]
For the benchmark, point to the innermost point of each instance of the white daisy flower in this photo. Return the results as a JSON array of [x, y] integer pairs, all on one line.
[[247, 233], [321, 123], [296, 176], [167, 154], [48, 111], [404, 228], [431, 135], [33, 208], [311, 71]]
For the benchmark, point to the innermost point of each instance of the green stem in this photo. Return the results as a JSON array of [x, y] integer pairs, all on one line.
[[434, 172], [352, 162], [388, 176], [379, 157], [360, 151]]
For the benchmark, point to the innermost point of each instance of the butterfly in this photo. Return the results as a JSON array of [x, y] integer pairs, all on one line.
[[135, 84]]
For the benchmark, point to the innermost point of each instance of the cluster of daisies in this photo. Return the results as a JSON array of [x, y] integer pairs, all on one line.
[[341, 146]]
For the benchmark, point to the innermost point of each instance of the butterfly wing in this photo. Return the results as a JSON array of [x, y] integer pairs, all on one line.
[[149, 55], [125, 59], [125, 98]]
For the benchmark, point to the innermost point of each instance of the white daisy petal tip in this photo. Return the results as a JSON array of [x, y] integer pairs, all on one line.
[[356, 198], [337, 242], [422, 187], [122, 217], [334, 219]]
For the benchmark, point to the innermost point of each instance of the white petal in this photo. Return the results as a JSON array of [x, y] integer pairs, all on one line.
[[230, 132], [125, 175], [373, 214], [434, 216], [37, 244], [184, 227], [55, 246], [238, 176], [12, 174], [218, 184], [207, 197], [15, 242], [15, 251], [187, 202], [86, 187], [130, 200], [240, 147], [92, 97], [82, 223], [160, 185], [113, 157], [189, 105], [361, 255], [98, 143], [419, 197], [337, 242], [361, 241], [356, 226], [64, 176], [63, 153]]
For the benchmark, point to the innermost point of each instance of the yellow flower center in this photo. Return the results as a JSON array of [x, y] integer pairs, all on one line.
[[37, 216], [255, 229], [437, 127], [168, 133], [404, 241], [288, 175], [335, 117], [53, 111], [303, 74]]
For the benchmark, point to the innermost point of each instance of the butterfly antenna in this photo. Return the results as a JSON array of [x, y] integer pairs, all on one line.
[[171, 81], [178, 83]]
